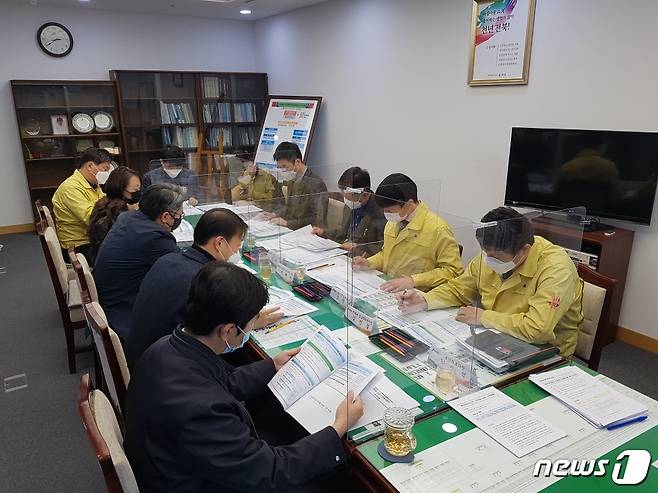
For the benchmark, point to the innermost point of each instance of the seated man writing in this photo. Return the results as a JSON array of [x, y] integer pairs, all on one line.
[[419, 249], [362, 227], [529, 287], [186, 427]]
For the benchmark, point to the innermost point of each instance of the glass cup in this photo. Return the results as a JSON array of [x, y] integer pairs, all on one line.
[[398, 438], [445, 380], [265, 266]]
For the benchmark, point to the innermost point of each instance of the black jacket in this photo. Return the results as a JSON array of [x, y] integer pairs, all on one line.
[[186, 430], [130, 248], [368, 234], [160, 304]]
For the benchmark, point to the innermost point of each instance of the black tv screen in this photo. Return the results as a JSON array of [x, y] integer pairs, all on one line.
[[613, 174]]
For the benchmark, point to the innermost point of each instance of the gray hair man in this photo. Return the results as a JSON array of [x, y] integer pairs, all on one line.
[[133, 244]]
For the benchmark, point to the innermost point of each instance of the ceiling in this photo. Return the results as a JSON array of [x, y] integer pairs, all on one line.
[[218, 9]]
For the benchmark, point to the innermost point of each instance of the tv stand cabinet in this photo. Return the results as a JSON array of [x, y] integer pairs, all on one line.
[[612, 247]]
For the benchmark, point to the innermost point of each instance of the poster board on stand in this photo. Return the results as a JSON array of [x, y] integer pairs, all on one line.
[[288, 119]]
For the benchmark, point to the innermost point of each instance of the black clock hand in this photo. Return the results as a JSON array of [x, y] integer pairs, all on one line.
[[56, 39]]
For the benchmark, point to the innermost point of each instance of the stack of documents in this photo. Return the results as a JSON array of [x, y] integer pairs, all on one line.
[[502, 352], [264, 229], [304, 238], [246, 212], [289, 304], [592, 399]]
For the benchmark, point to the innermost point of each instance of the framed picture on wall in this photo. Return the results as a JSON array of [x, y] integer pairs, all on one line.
[[60, 124], [501, 42]]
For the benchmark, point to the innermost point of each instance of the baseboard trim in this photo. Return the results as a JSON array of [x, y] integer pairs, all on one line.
[[637, 339], [16, 228]]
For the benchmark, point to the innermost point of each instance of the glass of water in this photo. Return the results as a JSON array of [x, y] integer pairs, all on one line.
[[265, 266]]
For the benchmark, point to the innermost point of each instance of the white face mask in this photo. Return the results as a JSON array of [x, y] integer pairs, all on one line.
[[244, 180], [499, 266], [393, 217], [102, 176], [285, 175], [352, 204], [173, 173]]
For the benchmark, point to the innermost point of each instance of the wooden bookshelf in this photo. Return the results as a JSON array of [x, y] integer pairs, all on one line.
[[143, 93], [49, 158]]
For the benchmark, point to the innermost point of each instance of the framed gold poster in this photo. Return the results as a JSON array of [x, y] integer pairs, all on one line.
[[501, 42]]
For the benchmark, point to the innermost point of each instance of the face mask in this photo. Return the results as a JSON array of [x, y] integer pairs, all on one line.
[[352, 204], [173, 173], [244, 180], [102, 176], [134, 198], [286, 176], [177, 221], [235, 259], [393, 217], [499, 266], [245, 338]]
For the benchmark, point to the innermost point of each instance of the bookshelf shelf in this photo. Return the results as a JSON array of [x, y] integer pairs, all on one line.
[[48, 158], [70, 107], [210, 96], [73, 136]]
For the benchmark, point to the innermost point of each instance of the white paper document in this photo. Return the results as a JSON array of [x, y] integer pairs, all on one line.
[[190, 210], [304, 238], [339, 274], [515, 427], [184, 233], [295, 330], [320, 356], [289, 304], [263, 229], [357, 340], [592, 399], [318, 409], [244, 211], [474, 462], [396, 318], [300, 256]]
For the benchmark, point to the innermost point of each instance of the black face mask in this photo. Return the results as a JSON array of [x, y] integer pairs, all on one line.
[[134, 197], [177, 221]]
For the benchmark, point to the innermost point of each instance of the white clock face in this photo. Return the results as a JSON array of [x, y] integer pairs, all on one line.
[[55, 40]]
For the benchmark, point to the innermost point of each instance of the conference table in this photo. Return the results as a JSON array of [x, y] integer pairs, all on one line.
[[375, 474]]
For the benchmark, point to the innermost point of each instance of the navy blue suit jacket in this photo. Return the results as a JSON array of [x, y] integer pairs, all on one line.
[[187, 431], [130, 248], [160, 304]]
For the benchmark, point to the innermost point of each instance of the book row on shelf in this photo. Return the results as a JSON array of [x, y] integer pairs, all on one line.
[[217, 112], [246, 136], [176, 113], [214, 87], [243, 137], [185, 137], [214, 133], [245, 112]]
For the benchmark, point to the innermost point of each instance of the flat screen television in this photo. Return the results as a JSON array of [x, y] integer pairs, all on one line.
[[613, 174]]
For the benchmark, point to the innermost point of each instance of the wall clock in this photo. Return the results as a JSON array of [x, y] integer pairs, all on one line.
[[55, 39]]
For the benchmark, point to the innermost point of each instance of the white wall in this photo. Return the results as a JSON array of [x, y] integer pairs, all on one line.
[[393, 75], [102, 41]]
